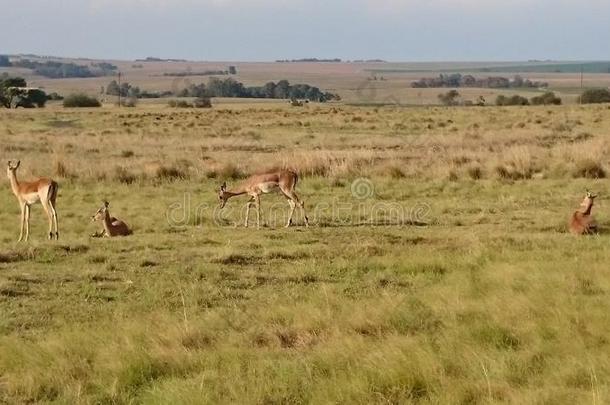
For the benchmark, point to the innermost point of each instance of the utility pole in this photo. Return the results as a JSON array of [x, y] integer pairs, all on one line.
[[119, 89], [582, 73]]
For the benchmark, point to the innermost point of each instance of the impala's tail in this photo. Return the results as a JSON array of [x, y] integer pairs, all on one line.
[[53, 189]]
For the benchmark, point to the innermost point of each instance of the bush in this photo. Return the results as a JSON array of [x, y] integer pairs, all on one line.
[[548, 98], [122, 175], [81, 100], [513, 100], [54, 96], [592, 96], [170, 173], [589, 169], [450, 98], [179, 104], [202, 102]]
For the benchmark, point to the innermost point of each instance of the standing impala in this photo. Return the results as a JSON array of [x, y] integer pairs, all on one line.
[[28, 193], [283, 180]]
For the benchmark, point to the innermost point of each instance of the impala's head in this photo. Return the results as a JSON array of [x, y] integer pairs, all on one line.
[[99, 215], [223, 196], [589, 198], [12, 168]]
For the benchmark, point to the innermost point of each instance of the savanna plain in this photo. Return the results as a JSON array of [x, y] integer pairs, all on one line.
[[437, 267]]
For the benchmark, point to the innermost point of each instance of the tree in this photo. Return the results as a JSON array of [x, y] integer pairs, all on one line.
[[449, 98], [14, 93], [81, 100], [513, 100], [548, 98], [232, 70], [592, 96], [4, 61]]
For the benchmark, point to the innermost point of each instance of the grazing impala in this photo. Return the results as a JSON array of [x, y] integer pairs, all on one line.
[[581, 222], [28, 193], [283, 180], [112, 226]]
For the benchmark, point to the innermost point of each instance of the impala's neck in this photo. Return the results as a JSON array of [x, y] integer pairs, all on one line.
[[241, 190], [14, 182], [588, 208], [107, 221]]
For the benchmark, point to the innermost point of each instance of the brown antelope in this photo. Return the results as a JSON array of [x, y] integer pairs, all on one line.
[[283, 180], [581, 222], [28, 193], [112, 226]]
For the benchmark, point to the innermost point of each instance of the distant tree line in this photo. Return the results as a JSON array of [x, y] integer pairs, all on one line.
[[154, 59], [60, 70], [229, 87], [336, 60], [459, 80], [453, 98], [126, 90]]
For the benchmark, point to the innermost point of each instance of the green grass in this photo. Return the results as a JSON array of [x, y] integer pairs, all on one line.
[[488, 300]]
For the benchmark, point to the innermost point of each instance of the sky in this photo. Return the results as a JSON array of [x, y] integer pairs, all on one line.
[[266, 30]]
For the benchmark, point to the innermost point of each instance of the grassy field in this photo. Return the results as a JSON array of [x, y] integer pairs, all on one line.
[[438, 267]]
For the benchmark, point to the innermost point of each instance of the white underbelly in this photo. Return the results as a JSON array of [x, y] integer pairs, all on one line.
[[268, 187], [31, 198]]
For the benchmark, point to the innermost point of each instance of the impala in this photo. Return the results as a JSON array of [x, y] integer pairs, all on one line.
[[112, 226], [581, 222], [28, 193], [283, 180]]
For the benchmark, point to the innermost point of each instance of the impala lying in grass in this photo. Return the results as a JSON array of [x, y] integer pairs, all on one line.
[[581, 222], [112, 226]]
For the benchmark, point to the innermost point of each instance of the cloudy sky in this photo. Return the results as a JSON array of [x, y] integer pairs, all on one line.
[[260, 30]]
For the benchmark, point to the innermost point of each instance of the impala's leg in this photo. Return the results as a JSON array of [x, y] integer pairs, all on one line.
[[293, 205], [22, 222], [47, 210], [257, 201], [295, 198], [27, 222], [54, 215], [248, 205]]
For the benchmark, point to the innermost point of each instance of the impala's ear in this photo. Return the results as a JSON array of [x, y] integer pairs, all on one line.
[[223, 187], [106, 204], [18, 163]]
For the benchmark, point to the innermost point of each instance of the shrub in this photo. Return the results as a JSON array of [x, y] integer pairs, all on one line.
[[450, 98], [122, 175], [130, 102], [513, 100], [170, 173], [81, 100], [589, 169], [475, 172], [592, 96], [179, 104], [202, 102], [55, 96], [548, 98]]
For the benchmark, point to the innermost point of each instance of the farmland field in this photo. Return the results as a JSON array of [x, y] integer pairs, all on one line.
[[437, 267]]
